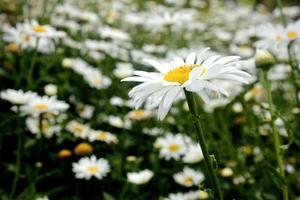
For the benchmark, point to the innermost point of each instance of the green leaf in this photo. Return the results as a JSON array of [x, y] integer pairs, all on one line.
[[107, 196]]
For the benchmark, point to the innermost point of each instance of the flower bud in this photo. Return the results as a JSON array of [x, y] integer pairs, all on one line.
[[83, 149], [50, 89], [64, 153], [264, 59]]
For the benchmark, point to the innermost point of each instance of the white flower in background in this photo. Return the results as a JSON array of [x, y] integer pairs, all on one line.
[[118, 122], [191, 195], [139, 114], [195, 74], [123, 70], [78, 129], [274, 36], [50, 89], [34, 28], [18, 97], [88, 167], [140, 178], [104, 136], [188, 177], [193, 154], [172, 146], [85, 111], [96, 79], [153, 131], [48, 127], [44, 104], [42, 198]]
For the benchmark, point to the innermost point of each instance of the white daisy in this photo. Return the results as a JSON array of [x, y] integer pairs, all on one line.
[[48, 126], [17, 96], [194, 74], [44, 104], [88, 167], [140, 178], [172, 146], [276, 36], [104, 136], [79, 130], [188, 177]]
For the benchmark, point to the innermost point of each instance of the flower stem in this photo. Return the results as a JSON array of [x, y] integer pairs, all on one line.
[[18, 156], [294, 67], [275, 134], [207, 158]]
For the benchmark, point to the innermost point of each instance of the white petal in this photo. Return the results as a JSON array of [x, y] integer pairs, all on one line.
[[191, 58], [161, 68]]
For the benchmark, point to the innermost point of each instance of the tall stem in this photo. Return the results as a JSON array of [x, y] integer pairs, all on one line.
[[275, 134], [18, 156], [295, 70], [208, 161]]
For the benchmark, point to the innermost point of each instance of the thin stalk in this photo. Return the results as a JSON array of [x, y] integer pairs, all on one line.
[[32, 65], [200, 136], [282, 17], [294, 71], [18, 156], [275, 134]]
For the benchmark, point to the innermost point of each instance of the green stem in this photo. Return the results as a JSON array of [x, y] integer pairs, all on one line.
[[18, 156], [282, 17], [275, 134], [207, 158], [32, 65], [294, 71]]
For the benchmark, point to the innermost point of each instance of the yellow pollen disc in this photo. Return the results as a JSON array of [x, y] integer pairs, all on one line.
[[92, 169], [179, 74], [173, 147], [45, 126], [102, 136], [188, 180], [39, 29], [41, 106], [277, 37], [78, 128], [291, 34], [24, 38]]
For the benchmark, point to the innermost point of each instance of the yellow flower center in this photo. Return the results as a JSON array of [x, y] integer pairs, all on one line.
[[41, 106], [78, 128], [92, 169], [292, 34], [188, 180], [173, 147], [12, 47], [24, 38], [180, 74], [102, 135], [39, 29], [277, 37]]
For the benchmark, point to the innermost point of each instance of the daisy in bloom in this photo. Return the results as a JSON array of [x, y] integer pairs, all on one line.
[[188, 177], [44, 104], [104, 136], [139, 114], [48, 127], [140, 178], [88, 167], [34, 28], [172, 146], [18, 97], [195, 74], [274, 36], [78, 129]]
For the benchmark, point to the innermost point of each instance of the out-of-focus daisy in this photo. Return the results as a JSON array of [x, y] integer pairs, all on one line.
[[49, 128], [193, 154], [191, 195], [88, 167], [18, 97], [50, 89], [42, 198], [274, 36], [188, 177], [85, 111], [34, 28], [44, 104], [139, 114], [78, 129], [171, 146], [104, 136], [140, 178], [194, 74]]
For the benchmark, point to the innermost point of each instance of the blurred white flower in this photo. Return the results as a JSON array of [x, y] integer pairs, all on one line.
[[139, 178], [18, 97], [189, 177], [88, 167], [50, 89]]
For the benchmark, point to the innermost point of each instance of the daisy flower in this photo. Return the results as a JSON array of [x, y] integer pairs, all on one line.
[[193, 154], [140, 178], [78, 129], [188, 177], [44, 104], [195, 74], [88, 167], [274, 36], [18, 97], [172, 146]]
